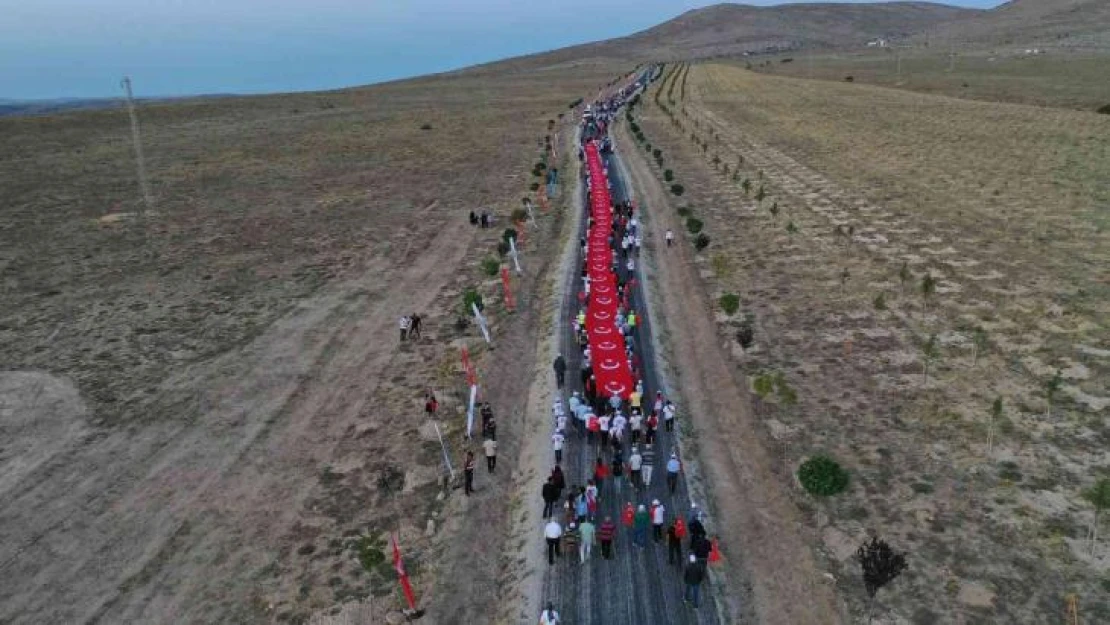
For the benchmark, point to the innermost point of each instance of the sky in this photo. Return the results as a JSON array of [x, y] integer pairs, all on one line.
[[81, 48]]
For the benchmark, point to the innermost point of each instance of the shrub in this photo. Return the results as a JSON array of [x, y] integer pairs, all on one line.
[[745, 335], [1105, 110], [472, 296], [701, 242], [648, 148], [657, 153], [668, 175], [678, 189], [491, 266], [519, 214], [694, 225], [849, 79], [880, 301], [822, 476], [426, 127], [534, 186], [788, 60], [730, 303]]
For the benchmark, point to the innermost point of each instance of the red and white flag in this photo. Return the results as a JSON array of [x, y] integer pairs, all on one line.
[[399, 566]]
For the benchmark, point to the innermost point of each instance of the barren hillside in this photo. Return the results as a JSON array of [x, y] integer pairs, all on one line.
[[1083, 24]]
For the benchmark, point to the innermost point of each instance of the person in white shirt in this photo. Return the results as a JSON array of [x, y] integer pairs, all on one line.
[[604, 421], [552, 532], [668, 416], [550, 616], [658, 517], [639, 242], [557, 444], [561, 423], [635, 423], [635, 465], [405, 324], [670, 238]]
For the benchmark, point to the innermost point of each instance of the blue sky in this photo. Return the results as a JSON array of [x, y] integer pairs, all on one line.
[[81, 48]]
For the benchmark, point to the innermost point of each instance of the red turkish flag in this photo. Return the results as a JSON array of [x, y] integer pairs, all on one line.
[[399, 566]]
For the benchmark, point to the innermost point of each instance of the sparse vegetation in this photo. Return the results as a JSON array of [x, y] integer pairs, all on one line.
[[677, 189], [701, 241], [730, 303], [694, 225], [491, 266], [822, 476]]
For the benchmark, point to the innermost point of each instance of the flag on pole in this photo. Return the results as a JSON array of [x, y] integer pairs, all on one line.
[[399, 566]]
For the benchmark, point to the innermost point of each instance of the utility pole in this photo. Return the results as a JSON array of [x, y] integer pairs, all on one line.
[[140, 162]]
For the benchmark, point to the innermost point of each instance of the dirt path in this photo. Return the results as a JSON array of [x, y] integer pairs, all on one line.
[[762, 536], [143, 526]]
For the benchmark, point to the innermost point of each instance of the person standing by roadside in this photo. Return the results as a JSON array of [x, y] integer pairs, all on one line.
[[668, 416], [693, 576], [490, 447], [670, 237], [414, 326], [552, 532], [587, 532], [404, 323], [468, 473], [431, 404], [560, 366], [605, 535], [550, 616]]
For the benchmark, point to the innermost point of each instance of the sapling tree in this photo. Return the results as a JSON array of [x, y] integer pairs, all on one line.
[[995, 415], [774, 210], [929, 353], [747, 186], [880, 301], [792, 228], [904, 275], [928, 289], [1099, 496], [759, 195], [1051, 388], [881, 565], [978, 344]]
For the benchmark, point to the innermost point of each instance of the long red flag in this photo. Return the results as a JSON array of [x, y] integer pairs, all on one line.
[[399, 566]]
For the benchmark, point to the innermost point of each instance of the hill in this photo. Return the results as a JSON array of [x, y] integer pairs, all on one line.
[[728, 29], [1075, 24]]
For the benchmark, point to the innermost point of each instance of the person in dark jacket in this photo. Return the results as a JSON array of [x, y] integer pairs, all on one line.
[[560, 366], [693, 576], [674, 546], [550, 495], [700, 548]]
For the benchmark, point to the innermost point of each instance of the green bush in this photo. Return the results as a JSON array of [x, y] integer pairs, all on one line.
[[701, 242], [822, 476], [472, 296], [534, 186], [668, 175], [684, 211], [678, 189], [1105, 110], [694, 225], [657, 153], [730, 303], [518, 214], [509, 233], [491, 266]]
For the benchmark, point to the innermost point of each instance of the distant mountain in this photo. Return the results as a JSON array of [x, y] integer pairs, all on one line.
[[10, 107], [1082, 24]]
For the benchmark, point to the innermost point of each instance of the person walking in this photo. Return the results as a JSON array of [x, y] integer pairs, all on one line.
[[550, 616], [693, 576], [557, 440], [404, 323], [668, 416], [605, 535], [635, 424], [628, 515], [414, 326], [635, 467], [674, 544], [468, 473], [570, 540], [670, 237], [658, 518], [600, 472], [553, 532], [550, 494], [558, 479], [701, 547], [640, 523], [673, 467], [431, 404], [560, 366], [603, 425], [587, 534], [647, 465], [652, 426], [490, 447], [617, 468]]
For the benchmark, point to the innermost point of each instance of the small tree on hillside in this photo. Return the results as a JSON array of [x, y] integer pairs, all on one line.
[[1051, 388], [791, 228], [928, 289], [904, 275], [995, 415], [746, 185], [759, 195], [774, 210], [979, 344], [881, 565], [1099, 496], [668, 175], [929, 353]]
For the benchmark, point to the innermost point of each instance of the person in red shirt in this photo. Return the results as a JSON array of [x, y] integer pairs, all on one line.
[[626, 516], [605, 535]]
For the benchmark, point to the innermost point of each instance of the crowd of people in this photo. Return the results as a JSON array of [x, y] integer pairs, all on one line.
[[617, 435]]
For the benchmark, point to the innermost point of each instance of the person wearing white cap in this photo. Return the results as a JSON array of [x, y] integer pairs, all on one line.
[[658, 517], [673, 467], [635, 464]]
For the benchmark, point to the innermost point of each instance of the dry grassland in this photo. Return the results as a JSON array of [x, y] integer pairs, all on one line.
[[207, 416], [1005, 207]]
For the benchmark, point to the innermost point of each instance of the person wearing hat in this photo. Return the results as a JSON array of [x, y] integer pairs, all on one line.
[[571, 539], [673, 467], [658, 517], [550, 616], [640, 522], [648, 464], [635, 465], [693, 576]]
